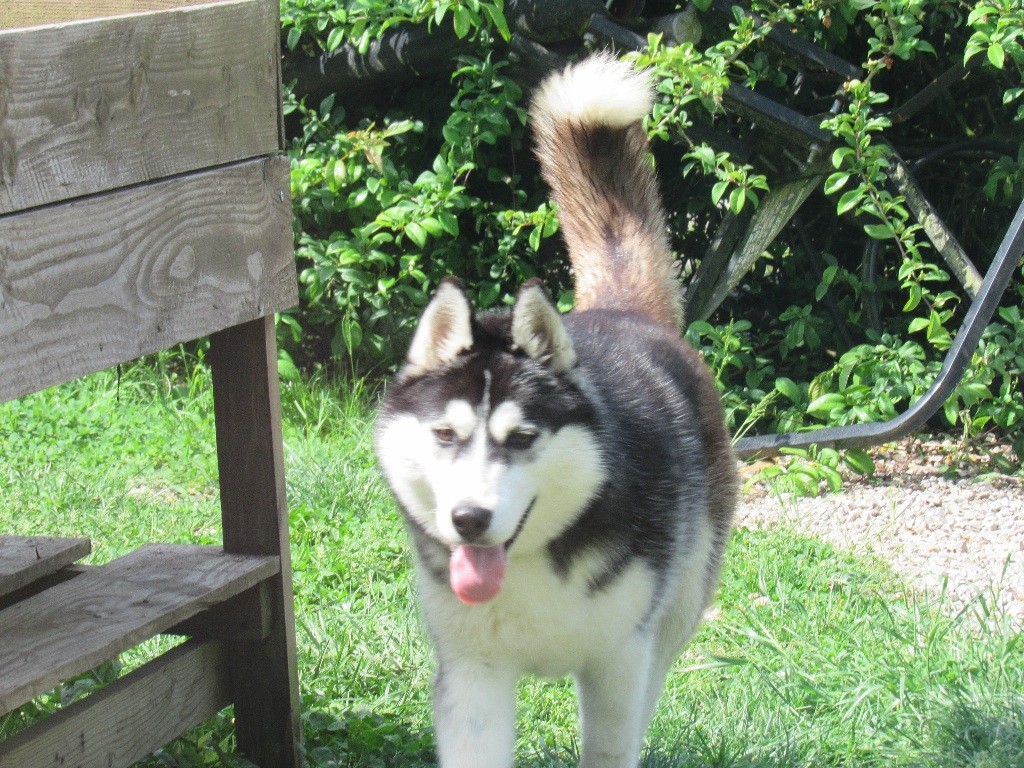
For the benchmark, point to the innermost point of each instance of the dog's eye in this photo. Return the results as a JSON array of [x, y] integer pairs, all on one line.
[[446, 435], [520, 440]]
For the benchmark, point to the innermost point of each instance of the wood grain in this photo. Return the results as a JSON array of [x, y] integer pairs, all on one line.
[[16, 14], [254, 511], [25, 559], [91, 106], [102, 280], [73, 627], [131, 717]]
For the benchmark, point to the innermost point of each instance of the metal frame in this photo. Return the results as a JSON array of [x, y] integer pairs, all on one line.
[[1002, 269]]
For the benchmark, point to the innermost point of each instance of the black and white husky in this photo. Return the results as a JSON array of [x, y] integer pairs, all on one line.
[[567, 480]]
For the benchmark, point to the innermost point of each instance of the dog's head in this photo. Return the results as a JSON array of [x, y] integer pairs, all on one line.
[[487, 437]]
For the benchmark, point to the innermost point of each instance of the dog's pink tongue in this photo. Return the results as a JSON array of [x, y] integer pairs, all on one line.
[[476, 573]]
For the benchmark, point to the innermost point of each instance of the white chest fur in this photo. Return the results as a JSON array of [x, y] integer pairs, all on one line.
[[541, 622]]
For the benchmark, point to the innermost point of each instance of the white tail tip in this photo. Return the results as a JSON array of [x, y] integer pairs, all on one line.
[[599, 90]]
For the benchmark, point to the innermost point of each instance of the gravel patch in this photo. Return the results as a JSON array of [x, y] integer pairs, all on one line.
[[941, 518]]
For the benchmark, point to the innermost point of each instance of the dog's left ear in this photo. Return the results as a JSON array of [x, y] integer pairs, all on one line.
[[538, 330], [444, 330]]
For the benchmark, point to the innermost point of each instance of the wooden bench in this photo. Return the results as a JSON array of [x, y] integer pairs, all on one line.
[[144, 202]]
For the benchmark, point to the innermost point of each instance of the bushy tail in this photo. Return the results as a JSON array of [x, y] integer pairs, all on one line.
[[594, 155]]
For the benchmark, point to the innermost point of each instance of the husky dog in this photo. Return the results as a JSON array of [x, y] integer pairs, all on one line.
[[567, 481]]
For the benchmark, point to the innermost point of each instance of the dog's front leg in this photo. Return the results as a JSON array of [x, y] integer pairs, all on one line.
[[475, 715], [611, 693]]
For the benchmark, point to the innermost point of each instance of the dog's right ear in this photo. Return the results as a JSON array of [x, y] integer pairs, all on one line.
[[444, 330], [538, 330]]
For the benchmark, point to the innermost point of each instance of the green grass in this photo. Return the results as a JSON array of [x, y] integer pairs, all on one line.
[[815, 658]]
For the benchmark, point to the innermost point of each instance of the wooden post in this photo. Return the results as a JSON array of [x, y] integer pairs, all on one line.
[[255, 517]]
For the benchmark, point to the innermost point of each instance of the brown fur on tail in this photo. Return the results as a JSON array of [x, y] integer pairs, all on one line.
[[594, 155]]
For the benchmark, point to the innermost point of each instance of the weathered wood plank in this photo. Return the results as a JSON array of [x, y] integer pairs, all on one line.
[[18, 14], [95, 105], [24, 559], [73, 627], [245, 617], [94, 282], [131, 717], [247, 408], [50, 580], [768, 220]]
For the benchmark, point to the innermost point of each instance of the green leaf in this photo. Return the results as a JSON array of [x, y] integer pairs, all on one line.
[[416, 233], [488, 294], [789, 389], [825, 404], [566, 301], [839, 155], [351, 334], [951, 410], [718, 190], [534, 238], [833, 478], [849, 201], [935, 329], [449, 223], [286, 367], [736, 199], [973, 49], [335, 38], [433, 226], [916, 293], [836, 181], [859, 461], [980, 12], [996, 55], [462, 20], [878, 231], [829, 275], [497, 18]]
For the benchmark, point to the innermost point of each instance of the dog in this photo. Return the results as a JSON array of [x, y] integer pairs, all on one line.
[[567, 480]]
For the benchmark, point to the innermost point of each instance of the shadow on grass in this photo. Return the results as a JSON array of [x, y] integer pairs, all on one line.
[[363, 739], [981, 734], [698, 751]]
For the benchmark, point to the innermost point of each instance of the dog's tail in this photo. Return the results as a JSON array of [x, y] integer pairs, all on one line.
[[594, 155]]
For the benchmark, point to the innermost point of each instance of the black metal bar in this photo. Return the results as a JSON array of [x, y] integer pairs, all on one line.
[[755, 106], [928, 94], [602, 27], [953, 367], [798, 45]]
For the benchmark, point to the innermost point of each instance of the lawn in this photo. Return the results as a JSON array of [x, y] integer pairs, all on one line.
[[812, 657]]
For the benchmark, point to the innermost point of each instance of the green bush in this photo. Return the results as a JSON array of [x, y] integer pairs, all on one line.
[[389, 204], [397, 189]]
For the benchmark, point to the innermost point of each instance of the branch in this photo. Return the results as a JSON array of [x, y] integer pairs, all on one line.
[[410, 51]]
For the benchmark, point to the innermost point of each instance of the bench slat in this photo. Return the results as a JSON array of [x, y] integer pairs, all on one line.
[[106, 279], [25, 559], [73, 627], [105, 103], [131, 717]]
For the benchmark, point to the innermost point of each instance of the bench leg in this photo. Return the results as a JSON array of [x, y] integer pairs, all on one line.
[[255, 519]]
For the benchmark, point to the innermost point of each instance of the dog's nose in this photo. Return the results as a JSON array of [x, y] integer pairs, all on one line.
[[470, 522]]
